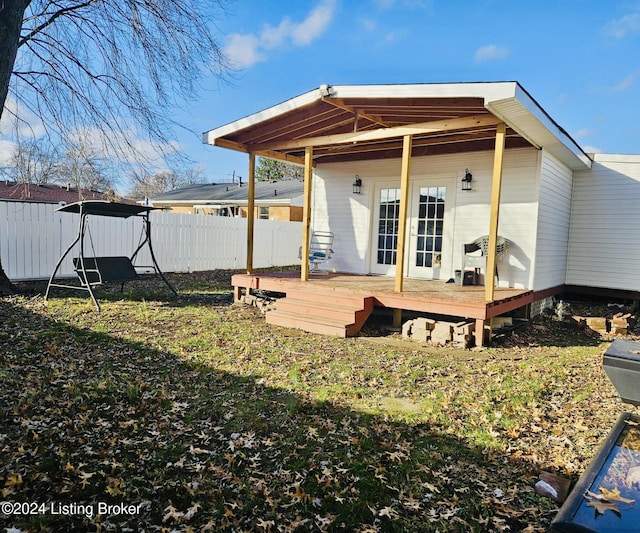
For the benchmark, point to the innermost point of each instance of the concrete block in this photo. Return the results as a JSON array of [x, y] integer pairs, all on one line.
[[498, 322], [464, 328], [424, 323], [407, 329], [442, 332], [420, 335], [597, 323]]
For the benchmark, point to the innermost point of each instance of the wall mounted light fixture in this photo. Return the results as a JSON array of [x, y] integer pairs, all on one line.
[[357, 185], [466, 181]]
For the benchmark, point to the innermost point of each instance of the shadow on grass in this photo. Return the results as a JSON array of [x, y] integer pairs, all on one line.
[[90, 419]]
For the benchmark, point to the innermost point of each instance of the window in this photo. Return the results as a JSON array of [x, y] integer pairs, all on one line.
[[263, 213]]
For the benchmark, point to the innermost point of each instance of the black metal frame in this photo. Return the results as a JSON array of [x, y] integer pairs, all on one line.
[[109, 209]]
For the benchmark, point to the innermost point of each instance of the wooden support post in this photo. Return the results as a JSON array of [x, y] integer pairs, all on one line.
[[250, 211], [496, 186], [306, 213], [479, 332], [237, 293], [397, 318], [402, 218]]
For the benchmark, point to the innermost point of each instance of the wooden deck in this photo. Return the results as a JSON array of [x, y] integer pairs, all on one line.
[[346, 300]]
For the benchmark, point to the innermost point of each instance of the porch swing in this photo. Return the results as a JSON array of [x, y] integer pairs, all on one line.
[[94, 270]]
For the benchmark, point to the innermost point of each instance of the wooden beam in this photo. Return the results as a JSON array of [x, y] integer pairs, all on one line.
[[496, 186], [402, 217], [250, 208], [306, 213], [422, 128], [271, 154], [339, 102]]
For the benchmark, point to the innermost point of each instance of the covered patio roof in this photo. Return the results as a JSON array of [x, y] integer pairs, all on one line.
[[360, 122]]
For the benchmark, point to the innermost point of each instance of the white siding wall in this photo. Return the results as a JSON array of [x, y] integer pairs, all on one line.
[[554, 214], [349, 216], [604, 241]]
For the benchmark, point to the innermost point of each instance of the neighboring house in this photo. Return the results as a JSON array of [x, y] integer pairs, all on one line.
[[275, 200], [47, 192], [440, 165]]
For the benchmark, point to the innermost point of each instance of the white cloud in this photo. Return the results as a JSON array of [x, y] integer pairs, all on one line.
[[583, 132], [490, 52], [242, 50], [248, 49], [623, 26], [592, 149], [625, 84], [315, 24], [27, 125], [6, 152]]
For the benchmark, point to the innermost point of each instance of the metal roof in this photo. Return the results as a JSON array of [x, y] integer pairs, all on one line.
[[360, 122], [267, 191]]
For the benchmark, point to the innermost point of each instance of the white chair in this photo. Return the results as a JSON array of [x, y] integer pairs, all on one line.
[[474, 254], [320, 249]]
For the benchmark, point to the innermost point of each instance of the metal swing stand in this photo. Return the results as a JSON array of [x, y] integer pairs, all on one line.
[[93, 271]]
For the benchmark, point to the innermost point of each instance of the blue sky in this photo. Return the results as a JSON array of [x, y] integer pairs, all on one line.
[[579, 59]]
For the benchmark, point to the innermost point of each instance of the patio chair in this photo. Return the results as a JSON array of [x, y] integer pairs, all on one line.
[[320, 250], [474, 255]]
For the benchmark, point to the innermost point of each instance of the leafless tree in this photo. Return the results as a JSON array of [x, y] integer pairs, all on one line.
[[32, 161], [115, 67], [150, 185]]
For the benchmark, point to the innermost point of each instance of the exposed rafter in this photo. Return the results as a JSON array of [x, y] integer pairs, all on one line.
[[338, 102], [382, 133]]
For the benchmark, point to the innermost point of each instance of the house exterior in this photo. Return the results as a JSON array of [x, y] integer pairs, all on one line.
[[274, 200], [47, 192], [441, 165]]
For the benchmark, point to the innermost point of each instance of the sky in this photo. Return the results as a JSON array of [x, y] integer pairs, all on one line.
[[580, 60]]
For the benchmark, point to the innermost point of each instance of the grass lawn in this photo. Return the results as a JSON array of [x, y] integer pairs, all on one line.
[[194, 415]]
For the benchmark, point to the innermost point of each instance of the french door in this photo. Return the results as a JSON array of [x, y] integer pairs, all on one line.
[[427, 240]]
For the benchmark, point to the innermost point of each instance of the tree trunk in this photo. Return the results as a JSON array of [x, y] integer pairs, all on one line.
[[11, 16], [6, 287]]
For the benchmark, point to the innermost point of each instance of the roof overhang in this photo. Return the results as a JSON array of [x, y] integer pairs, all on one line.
[[361, 122]]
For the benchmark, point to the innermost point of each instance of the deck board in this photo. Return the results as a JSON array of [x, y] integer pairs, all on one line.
[[418, 295]]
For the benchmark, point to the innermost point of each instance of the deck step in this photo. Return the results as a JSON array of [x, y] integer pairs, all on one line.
[[312, 308], [328, 296], [305, 310], [311, 324]]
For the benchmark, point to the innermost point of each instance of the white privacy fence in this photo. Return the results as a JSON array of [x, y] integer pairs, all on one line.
[[33, 236]]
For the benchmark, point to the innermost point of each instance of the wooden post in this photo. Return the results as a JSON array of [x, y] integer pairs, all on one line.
[[306, 213], [402, 217], [250, 211], [496, 186]]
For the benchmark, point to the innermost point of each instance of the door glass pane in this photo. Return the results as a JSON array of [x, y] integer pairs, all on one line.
[[430, 226], [388, 226]]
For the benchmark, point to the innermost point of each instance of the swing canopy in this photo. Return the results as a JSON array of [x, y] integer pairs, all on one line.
[[105, 209]]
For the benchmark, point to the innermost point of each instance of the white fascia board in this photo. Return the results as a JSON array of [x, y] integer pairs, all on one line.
[[262, 203], [524, 115], [616, 158], [486, 90]]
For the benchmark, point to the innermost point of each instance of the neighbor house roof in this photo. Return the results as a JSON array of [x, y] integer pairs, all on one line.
[[357, 122], [32, 192], [266, 193]]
